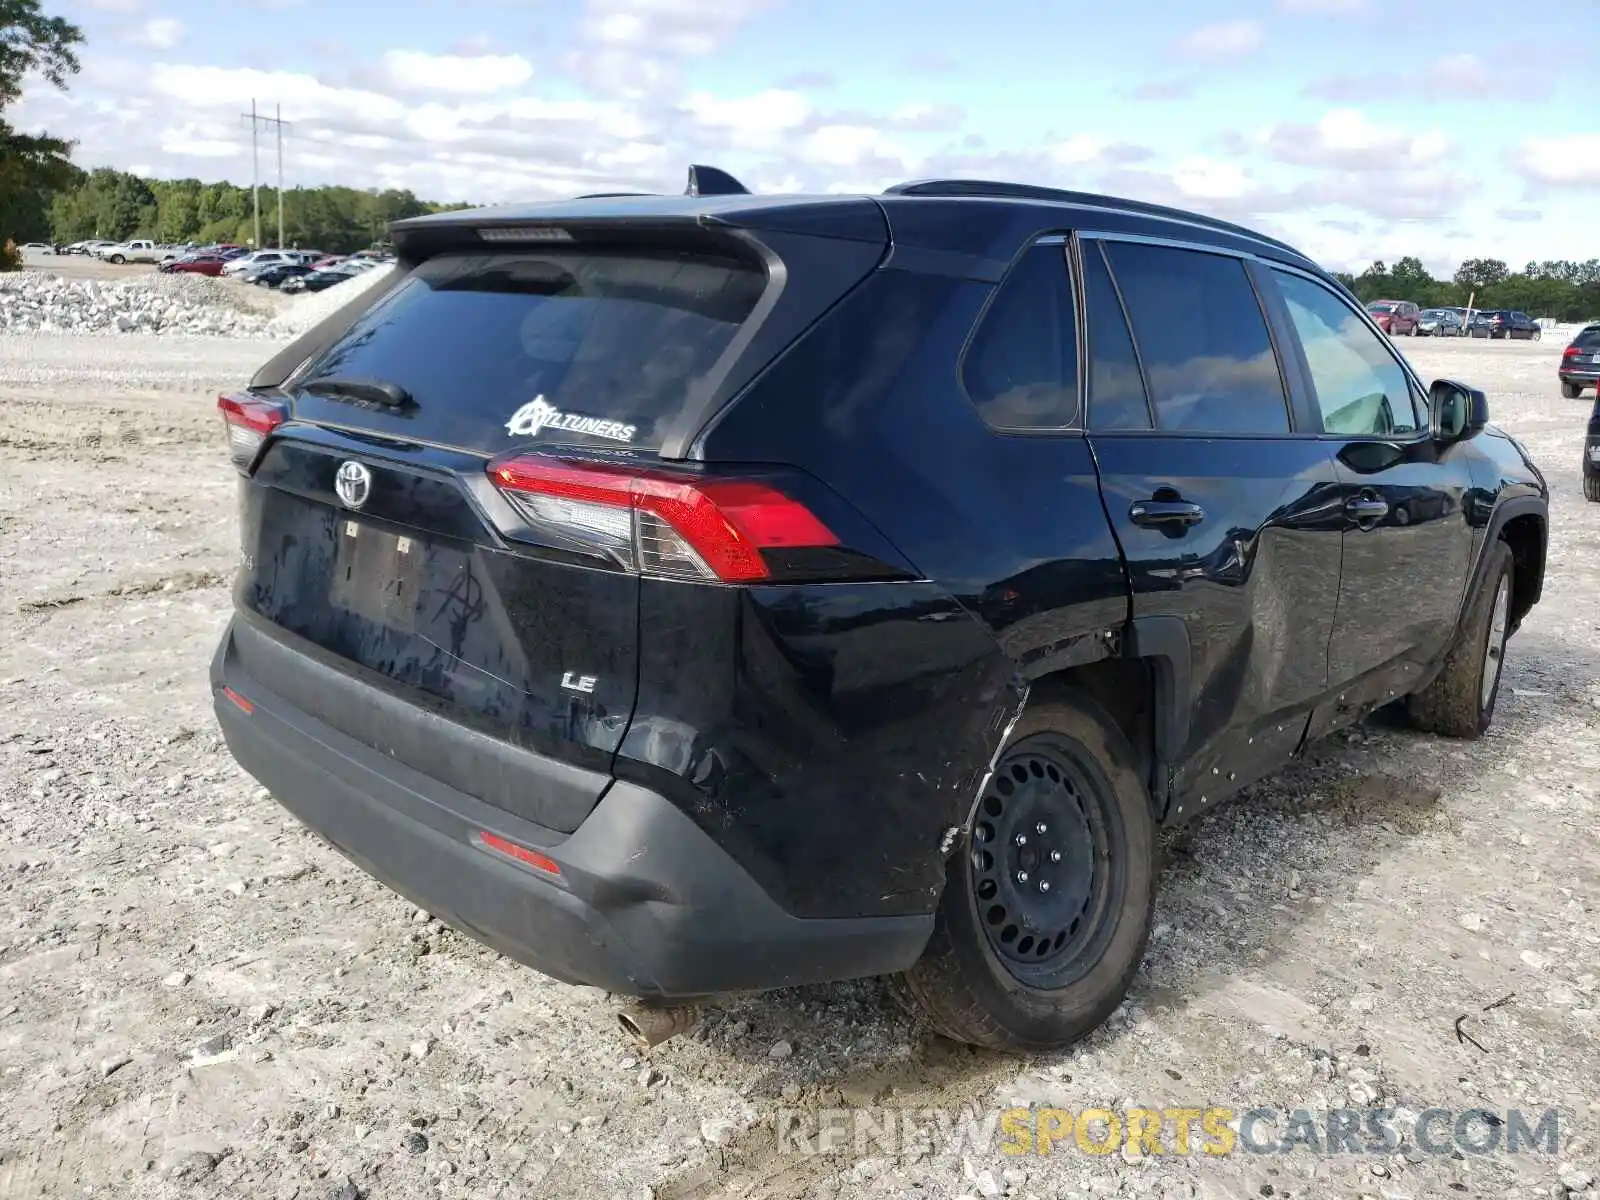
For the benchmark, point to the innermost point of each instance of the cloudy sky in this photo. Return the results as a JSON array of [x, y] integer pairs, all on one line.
[[1355, 128]]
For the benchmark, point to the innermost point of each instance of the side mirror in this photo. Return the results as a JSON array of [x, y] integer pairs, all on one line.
[[1456, 412]]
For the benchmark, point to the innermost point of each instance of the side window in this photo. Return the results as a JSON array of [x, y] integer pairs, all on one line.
[[1021, 369], [1203, 339], [1116, 389], [1360, 388]]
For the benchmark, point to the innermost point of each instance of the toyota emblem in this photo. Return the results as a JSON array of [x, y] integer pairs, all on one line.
[[353, 483]]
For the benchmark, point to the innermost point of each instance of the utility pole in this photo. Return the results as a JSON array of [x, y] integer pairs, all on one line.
[[278, 123]]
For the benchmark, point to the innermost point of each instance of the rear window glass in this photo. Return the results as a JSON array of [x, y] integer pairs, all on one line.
[[1589, 338], [585, 347]]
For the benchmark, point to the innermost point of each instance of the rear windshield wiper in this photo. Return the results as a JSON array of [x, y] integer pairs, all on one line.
[[373, 391]]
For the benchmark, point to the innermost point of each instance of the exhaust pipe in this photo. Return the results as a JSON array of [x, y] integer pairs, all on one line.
[[651, 1024]]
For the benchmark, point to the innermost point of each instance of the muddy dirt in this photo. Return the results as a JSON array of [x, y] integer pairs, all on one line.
[[199, 999]]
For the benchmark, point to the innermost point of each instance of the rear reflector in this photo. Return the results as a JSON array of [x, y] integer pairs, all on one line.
[[248, 420], [243, 704], [521, 853], [658, 523]]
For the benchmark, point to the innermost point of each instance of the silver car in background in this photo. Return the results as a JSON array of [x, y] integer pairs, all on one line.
[[1440, 322]]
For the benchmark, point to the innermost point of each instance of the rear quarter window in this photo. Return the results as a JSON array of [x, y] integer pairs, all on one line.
[[1021, 370], [563, 346]]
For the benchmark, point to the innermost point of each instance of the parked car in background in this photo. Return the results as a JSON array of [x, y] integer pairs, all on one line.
[[139, 250], [1439, 322], [1395, 317], [260, 258], [1507, 323], [1580, 363], [700, 630], [317, 281], [37, 248], [195, 264], [275, 274]]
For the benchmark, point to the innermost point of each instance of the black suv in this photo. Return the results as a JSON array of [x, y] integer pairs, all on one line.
[[685, 594], [1506, 323], [1580, 363]]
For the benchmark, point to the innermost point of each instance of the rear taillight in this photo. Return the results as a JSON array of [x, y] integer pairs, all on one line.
[[1571, 352], [658, 523], [249, 419]]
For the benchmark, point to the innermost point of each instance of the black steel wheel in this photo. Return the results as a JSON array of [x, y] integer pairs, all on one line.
[[1046, 911], [1042, 869]]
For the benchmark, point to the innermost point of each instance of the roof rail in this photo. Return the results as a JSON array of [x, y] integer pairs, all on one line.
[[712, 181], [1029, 191], [610, 195]]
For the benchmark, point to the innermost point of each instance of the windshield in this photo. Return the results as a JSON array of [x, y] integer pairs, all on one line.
[[1383, 308]]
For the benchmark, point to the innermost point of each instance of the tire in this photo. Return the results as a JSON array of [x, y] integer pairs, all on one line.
[[1536, 336], [1591, 487], [975, 984], [1571, 391], [117, 260], [1460, 702]]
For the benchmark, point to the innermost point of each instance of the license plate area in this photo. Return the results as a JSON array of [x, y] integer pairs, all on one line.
[[377, 575]]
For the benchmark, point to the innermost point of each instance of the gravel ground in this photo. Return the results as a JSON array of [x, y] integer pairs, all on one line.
[[198, 999]]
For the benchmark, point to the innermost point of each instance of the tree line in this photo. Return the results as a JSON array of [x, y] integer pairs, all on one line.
[[105, 203], [1565, 290]]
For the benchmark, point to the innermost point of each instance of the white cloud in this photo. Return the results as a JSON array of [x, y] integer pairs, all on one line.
[[1572, 160], [482, 73], [1344, 137], [214, 88], [1224, 40], [1078, 150], [634, 48], [849, 146], [1213, 179], [757, 122], [158, 33]]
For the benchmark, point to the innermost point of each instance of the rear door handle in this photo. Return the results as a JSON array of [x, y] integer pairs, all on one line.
[[1366, 508], [1166, 514]]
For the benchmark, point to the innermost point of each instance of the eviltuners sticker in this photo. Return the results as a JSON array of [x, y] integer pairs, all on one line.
[[528, 420]]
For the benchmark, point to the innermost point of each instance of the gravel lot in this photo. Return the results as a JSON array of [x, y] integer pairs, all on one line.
[[198, 999]]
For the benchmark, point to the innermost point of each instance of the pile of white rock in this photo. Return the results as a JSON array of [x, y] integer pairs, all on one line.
[[184, 305], [310, 310]]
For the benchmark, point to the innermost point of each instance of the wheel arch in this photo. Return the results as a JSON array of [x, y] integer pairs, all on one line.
[[1145, 691], [1523, 525]]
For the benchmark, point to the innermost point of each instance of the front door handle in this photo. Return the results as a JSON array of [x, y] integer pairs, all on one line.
[[1366, 509], [1165, 514]]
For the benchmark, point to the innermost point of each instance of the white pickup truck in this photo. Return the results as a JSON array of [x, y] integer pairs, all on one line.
[[138, 250]]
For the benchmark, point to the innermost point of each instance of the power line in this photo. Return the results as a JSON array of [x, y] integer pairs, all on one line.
[[278, 124]]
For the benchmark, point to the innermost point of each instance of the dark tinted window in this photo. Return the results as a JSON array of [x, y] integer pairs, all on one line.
[[1204, 343], [1022, 367], [1588, 338], [1116, 391], [619, 338]]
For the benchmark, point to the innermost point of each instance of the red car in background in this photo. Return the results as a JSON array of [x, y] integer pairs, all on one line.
[[1395, 317], [195, 264]]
